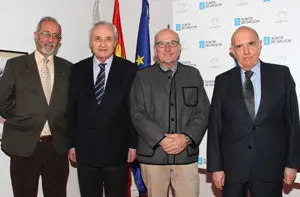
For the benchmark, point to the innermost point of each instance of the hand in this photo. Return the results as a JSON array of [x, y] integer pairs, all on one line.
[[289, 175], [131, 155], [218, 179], [72, 155], [165, 142], [174, 144]]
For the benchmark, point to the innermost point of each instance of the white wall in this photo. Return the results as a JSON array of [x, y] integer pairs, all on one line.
[[18, 20]]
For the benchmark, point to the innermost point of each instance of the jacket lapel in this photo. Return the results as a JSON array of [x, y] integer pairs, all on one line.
[[34, 75], [59, 80], [89, 82], [114, 91], [114, 84], [266, 92]]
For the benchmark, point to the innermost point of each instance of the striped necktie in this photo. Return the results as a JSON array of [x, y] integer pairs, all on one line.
[[100, 82]]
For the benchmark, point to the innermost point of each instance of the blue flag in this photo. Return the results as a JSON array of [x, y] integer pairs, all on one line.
[[137, 175], [142, 57]]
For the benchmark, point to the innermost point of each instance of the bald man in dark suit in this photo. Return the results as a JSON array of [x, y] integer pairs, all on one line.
[[254, 133]]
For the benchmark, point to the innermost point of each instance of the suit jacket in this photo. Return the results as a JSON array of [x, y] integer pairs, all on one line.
[[101, 134], [163, 104], [262, 148], [24, 106]]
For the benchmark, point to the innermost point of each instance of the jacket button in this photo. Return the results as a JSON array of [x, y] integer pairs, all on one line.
[[254, 127], [249, 147], [169, 77], [172, 119]]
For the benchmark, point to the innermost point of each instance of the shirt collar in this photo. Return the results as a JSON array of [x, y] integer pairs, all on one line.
[[255, 69], [165, 69], [108, 61], [39, 57]]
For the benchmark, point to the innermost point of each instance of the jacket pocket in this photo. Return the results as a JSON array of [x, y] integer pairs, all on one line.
[[21, 122], [190, 95], [144, 149]]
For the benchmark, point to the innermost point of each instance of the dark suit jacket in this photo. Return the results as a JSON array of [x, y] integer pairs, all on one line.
[[101, 134], [239, 146], [23, 104]]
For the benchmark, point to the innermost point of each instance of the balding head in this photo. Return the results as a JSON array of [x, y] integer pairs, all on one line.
[[246, 47], [243, 28], [167, 47], [168, 32]]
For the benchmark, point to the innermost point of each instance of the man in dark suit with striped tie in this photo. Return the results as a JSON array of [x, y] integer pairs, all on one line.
[[102, 139]]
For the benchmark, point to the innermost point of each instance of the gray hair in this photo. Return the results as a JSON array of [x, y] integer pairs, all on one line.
[[104, 23], [47, 19], [243, 27]]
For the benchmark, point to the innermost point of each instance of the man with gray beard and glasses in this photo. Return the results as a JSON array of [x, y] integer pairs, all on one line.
[[33, 100]]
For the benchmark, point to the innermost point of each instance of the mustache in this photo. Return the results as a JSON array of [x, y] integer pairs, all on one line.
[[49, 44]]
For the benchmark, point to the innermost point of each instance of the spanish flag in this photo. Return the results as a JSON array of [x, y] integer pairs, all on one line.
[[120, 47], [120, 52]]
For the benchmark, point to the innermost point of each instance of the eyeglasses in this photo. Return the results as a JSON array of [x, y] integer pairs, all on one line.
[[163, 44], [48, 35]]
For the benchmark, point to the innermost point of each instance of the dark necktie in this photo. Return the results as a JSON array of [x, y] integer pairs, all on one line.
[[249, 94], [99, 85]]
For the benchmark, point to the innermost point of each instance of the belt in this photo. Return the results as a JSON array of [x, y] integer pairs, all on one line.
[[45, 138]]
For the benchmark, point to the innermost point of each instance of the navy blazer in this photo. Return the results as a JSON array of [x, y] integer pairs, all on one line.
[[101, 134]]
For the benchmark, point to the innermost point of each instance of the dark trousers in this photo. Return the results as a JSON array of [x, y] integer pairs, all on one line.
[[45, 162], [92, 179], [257, 188]]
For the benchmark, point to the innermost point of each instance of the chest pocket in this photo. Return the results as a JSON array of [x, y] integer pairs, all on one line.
[[190, 95]]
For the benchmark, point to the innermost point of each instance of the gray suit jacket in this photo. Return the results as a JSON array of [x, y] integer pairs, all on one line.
[[24, 106], [163, 104]]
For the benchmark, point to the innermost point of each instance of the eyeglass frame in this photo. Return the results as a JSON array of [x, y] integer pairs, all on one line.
[[48, 35], [163, 44]]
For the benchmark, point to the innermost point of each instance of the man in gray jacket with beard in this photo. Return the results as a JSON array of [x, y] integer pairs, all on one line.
[[169, 110]]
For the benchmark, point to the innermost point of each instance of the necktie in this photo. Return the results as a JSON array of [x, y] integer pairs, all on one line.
[[99, 85], [46, 79], [47, 87], [249, 94]]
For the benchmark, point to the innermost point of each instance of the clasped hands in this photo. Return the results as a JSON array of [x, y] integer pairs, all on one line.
[[173, 144]]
